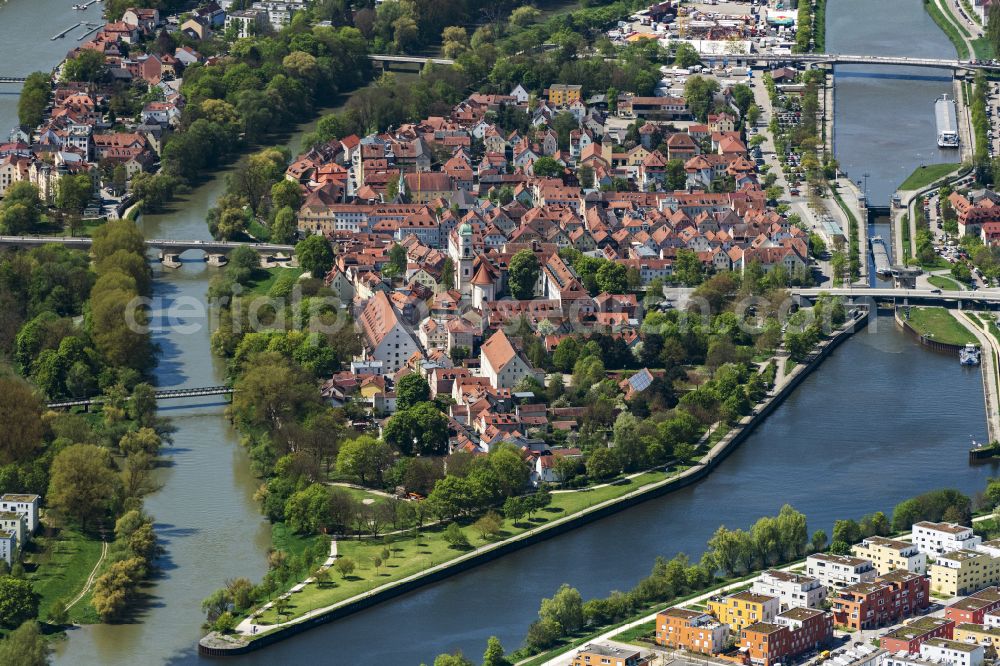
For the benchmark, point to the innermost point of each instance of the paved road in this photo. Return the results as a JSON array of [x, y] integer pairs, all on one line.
[[988, 345]]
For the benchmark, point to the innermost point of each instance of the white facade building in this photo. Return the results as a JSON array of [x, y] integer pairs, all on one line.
[[8, 546], [794, 590], [836, 571], [387, 339], [953, 653], [502, 364], [939, 538], [26, 505], [11, 521]]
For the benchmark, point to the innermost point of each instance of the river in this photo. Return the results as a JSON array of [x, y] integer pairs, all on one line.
[[830, 449]]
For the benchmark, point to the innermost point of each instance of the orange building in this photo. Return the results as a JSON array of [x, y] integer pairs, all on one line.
[[684, 629]]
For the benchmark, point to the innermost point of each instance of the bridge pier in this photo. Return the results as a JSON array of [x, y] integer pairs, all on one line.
[[170, 259], [214, 259]]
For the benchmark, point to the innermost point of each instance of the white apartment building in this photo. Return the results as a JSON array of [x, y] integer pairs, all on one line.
[[11, 521], [953, 653], [8, 546], [836, 571], [891, 555], [938, 538], [794, 590], [26, 505]]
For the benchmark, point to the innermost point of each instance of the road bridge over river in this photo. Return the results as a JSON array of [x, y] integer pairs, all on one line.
[[166, 248], [167, 394]]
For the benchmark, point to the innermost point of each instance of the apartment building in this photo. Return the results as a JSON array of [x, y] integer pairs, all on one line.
[[887, 599], [975, 608], [792, 589], [26, 505], [953, 653], [978, 633], [837, 571], [685, 629], [912, 635], [607, 655], [963, 572], [793, 632], [891, 554], [744, 608], [940, 538]]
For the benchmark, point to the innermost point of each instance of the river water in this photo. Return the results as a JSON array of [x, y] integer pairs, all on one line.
[[882, 420]]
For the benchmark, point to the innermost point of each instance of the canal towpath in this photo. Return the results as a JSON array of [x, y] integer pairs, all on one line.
[[988, 359]]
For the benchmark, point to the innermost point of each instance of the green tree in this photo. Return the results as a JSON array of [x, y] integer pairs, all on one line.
[[365, 457], [34, 98], [603, 463], [565, 608], [87, 67], [25, 646], [18, 602], [489, 525], [688, 269], [344, 566], [315, 255], [546, 167], [82, 482], [612, 277], [686, 56], [396, 267], [73, 192], [455, 537], [522, 274], [22, 414], [420, 429], [410, 390], [494, 655], [283, 228], [448, 274], [700, 95]]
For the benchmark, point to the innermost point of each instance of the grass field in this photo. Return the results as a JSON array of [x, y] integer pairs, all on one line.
[[264, 279], [58, 567], [938, 325], [923, 176], [410, 555], [644, 630], [951, 30], [946, 283]]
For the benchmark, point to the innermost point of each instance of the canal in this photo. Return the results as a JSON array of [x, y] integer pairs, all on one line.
[[883, 419]]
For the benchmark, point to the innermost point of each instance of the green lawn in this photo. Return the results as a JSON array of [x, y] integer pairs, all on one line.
[[951, 30], [411, 555], [644, 630], [938, 264], [923, 176], [939, 325], [58, 567], [946, 283], [264, 279], [983, 49]]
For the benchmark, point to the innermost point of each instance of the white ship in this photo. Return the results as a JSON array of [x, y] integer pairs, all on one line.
[[947, 127], [969, 355]]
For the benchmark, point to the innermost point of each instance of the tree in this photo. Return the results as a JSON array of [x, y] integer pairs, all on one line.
[[448, 274], [283, 229], [455, 537], [18, 602], [87, 66], [514, 508], [365, 457], [612, 277], [322, 577], [457, 659], [494, 655], [21, 208], [489, 525], [688, 269], [603, 463], [565, 608], [82, 482], [315, 255], [344, 566], [411, 390], [34, 98], [700, 95], [25, 646], [524, 16], [272, 392], [308, 511], [522, 274], [546, 167], [686, 56], [993, 26], [396, 267], [421, 429], [73, 192], [22, 416]]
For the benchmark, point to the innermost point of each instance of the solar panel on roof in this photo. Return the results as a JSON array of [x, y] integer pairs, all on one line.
[[640, 381]]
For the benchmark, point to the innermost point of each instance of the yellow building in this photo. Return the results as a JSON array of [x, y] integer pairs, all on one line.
[[981, 634], [562, 94], [891, 555], [963, 572], [742, 609]]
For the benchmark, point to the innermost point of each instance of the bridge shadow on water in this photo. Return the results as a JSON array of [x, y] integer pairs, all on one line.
[[889, 75], [188, 405]]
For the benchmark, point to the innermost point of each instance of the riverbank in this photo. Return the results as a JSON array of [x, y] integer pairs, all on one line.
[[935, 328], [216, 644]]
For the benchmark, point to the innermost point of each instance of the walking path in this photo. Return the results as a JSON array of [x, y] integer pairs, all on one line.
[[988, 345], [248, 625], [91, 577]]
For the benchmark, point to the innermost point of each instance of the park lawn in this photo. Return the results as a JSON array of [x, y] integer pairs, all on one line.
[[983, 49], [644, 630], [265, 278], [413, 555], [58, 568], [923, 176], [938, 325], [361, 494], [283, 538], [938, 264], [946, 283]]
